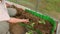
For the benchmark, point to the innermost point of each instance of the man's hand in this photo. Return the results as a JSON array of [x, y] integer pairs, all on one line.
[[16, 20]]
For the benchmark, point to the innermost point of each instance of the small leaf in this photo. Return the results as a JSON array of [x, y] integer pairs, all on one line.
[[29, 32], [32, 24], [38, 31], [42, 21]]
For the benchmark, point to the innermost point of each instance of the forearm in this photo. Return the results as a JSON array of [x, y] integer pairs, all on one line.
[[16, 20]]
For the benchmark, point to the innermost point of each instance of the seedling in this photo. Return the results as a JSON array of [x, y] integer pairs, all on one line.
[[42, 22]]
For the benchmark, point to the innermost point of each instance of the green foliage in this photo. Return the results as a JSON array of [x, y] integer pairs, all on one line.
[[26, 26], [32, 24], [31, 29], [29, 32], [42, 21], [38, 31]]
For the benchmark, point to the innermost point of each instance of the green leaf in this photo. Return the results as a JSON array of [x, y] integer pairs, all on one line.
[[29, 32], [26, 26], [32, 24], [42, 21], [38, 31]]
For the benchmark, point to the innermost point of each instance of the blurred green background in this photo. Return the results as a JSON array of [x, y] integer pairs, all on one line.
[[48, 7]]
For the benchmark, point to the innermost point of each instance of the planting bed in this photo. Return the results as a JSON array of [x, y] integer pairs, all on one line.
[[40, 26]]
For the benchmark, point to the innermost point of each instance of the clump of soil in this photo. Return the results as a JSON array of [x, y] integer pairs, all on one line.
[[21, 14]]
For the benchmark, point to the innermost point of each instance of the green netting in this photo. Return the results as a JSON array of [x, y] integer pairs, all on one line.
[[45, 17]]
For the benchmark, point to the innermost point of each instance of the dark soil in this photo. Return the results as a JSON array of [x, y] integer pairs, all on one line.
[[21, 14]]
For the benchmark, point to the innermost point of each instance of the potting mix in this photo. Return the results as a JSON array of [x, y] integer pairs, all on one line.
[[38, 23]]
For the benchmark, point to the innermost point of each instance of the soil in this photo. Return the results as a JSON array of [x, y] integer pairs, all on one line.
[[21, 14]]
